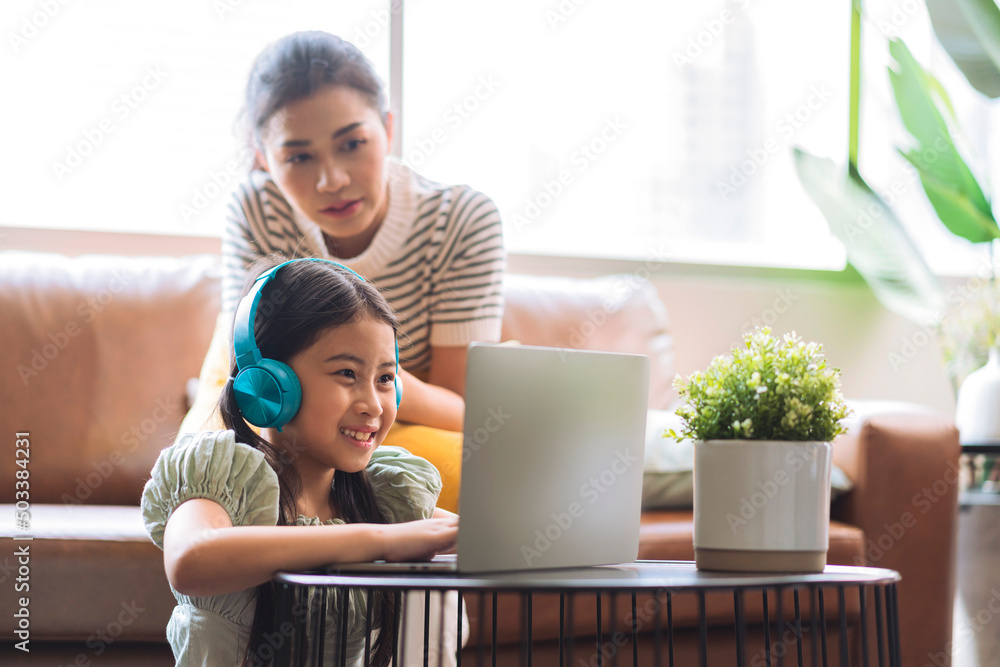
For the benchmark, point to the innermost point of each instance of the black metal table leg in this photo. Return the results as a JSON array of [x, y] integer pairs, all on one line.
[[822, 624], [767, 629], [845, 660], [702, 630], [458, 631], [741, 630], [798, 627], [635, 635]]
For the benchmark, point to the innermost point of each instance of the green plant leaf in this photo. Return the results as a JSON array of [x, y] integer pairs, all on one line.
[[765, 389], [941, 93], [937, 159], [877, 244], [953, 205], [969, 30]]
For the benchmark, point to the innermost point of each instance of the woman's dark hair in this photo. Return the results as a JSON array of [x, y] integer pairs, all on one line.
[[299, 65], [301, 302]]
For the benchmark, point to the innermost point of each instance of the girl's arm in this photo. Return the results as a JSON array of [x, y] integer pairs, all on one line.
[[205, 555]]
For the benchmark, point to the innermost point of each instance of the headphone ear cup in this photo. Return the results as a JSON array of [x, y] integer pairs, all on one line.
[[268, 393], [398, 382]]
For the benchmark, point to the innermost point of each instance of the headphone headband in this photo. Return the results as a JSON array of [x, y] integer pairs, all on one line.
[[267, 391], [244, 341]]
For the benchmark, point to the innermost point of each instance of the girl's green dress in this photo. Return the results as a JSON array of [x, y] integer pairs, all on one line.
[[213, 631]]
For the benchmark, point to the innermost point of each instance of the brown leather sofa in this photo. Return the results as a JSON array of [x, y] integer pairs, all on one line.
[[97, 353]]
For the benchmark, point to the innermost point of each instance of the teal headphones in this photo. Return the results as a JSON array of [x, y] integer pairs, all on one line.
[[267, 391]]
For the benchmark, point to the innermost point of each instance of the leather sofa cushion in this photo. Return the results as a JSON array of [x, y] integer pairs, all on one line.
[[97, 352], [94, 573], [668, 535], [614, 313]]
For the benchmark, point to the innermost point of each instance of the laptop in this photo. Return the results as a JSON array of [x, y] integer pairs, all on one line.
[[551, 464]]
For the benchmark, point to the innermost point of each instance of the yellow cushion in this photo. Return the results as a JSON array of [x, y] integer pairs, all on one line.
[[214, 373], [442, 448]]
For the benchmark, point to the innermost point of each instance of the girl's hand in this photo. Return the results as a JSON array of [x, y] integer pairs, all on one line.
[[419, 540]]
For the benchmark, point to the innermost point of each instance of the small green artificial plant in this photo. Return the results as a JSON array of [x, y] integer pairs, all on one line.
[[766, 390]]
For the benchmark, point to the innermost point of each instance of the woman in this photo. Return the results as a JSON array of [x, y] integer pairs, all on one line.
[[325, 186]]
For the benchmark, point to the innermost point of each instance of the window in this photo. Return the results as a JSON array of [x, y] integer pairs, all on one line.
[[635, 129], [123, 116], [638, 129]]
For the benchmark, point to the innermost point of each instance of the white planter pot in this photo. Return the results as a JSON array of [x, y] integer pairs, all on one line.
[[977, 413], [761, 505]]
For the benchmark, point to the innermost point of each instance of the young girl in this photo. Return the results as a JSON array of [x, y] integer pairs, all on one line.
[[230, 508]]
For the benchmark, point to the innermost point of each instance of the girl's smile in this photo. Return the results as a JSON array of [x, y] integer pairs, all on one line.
[[361, 437], [348, 399]]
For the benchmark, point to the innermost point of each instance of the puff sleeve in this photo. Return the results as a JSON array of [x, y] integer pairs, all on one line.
[[212, 465], [406, 486]]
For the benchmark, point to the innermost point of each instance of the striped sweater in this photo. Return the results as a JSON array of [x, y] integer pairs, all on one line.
[[438, 256]]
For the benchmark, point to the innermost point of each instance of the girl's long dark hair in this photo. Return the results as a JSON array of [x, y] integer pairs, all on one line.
[[301, 302]]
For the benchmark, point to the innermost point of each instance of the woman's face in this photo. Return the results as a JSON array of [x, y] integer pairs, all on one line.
[[327, 155], [348, 397]]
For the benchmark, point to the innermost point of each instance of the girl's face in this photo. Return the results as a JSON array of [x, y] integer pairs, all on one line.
[[327, 155], [348, 397]]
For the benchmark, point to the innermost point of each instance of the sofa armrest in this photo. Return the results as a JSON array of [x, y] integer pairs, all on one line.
[[904, 462]]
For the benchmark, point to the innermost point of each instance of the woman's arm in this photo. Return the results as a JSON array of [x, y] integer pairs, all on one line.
[[448, 368], [204, 554], [437, 402]]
